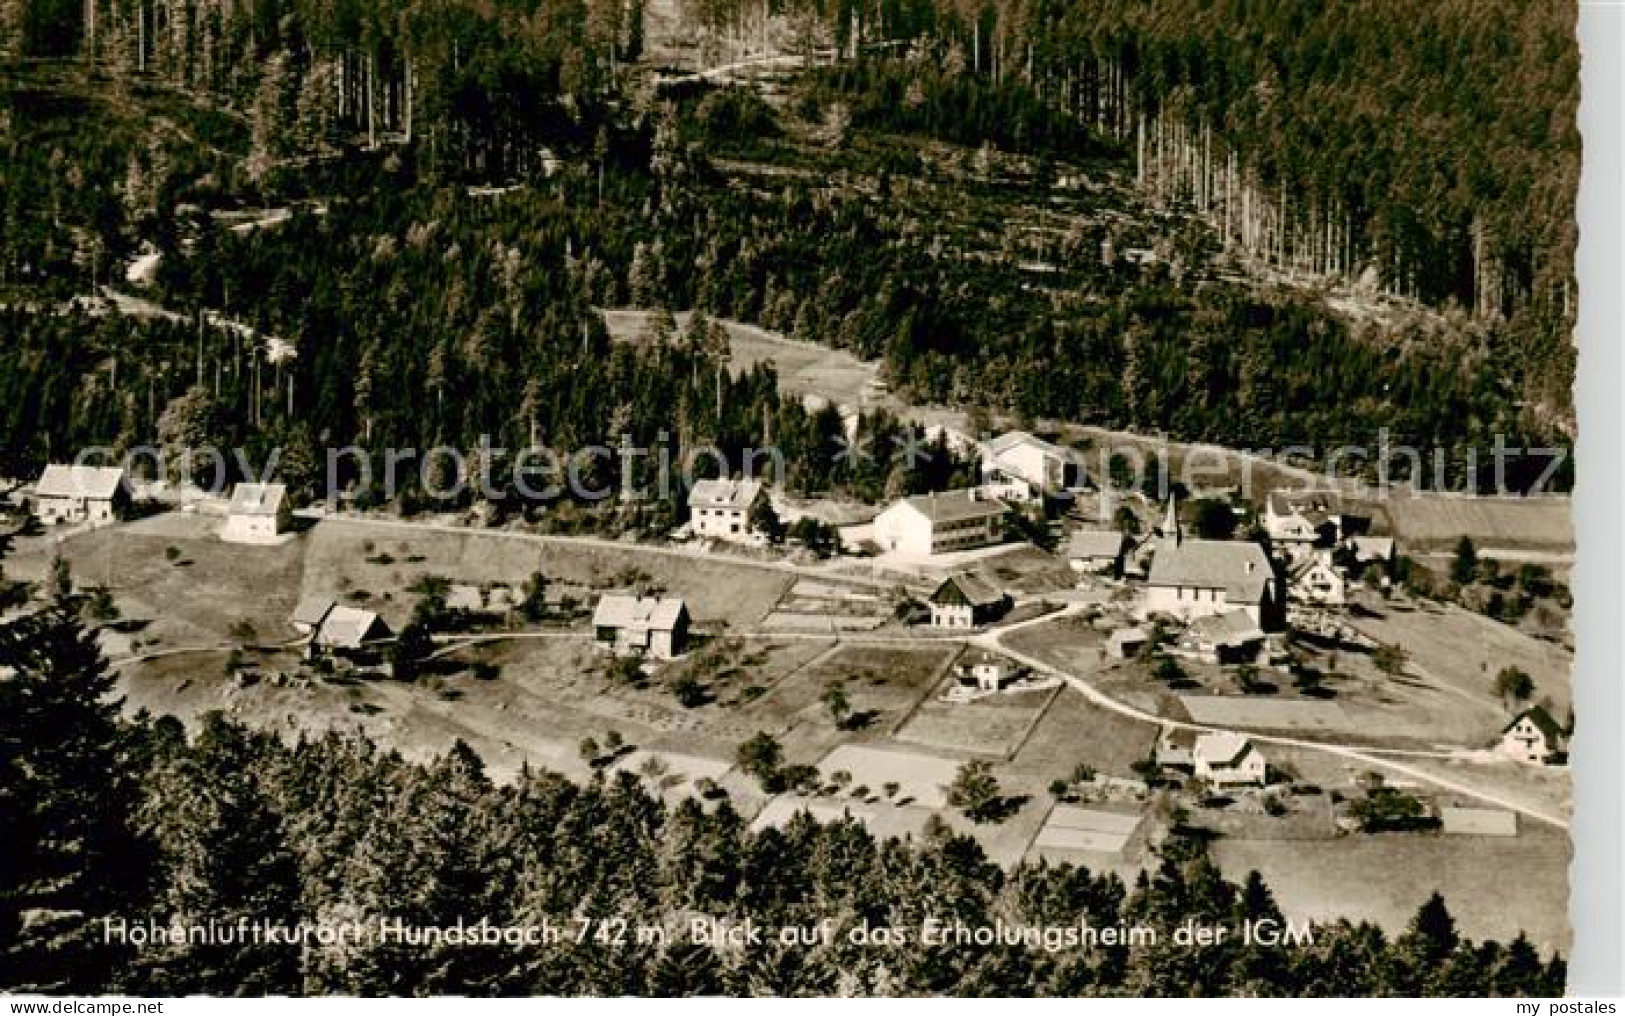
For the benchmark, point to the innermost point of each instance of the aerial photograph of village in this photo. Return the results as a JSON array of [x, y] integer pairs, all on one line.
[[808, 497]]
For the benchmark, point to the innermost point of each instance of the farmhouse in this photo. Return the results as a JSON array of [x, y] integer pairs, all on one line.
[[641, 625], [94, 494], [1313, 579], [720, 509], [1534, 737], [258, 513], [1097, 552], [940, 523], [1228, 760], [333, 626], [1303, 518], [967, 601], [1221, 638], [1199, 578], [1021, 467]]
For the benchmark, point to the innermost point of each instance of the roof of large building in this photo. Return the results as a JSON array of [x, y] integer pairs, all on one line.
[[738, 494], [623, 610], [967, 589], [1094, 543], [98, 483], [955, 505], [1222, 748], [1239, 567], [257, 498]]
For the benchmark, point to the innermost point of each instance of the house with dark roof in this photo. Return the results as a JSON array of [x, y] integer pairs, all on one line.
[[257, 513], [1199, 578], [940, 523], [720, 509], [1534, 737], [967, 601], [332, 626], [641, 625], [72, 493], [985, 671]]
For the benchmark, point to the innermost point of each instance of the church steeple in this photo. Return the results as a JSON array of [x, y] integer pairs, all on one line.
[[1170, 524]]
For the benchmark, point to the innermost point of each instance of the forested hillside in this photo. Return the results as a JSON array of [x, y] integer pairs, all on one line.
[[913, 197]]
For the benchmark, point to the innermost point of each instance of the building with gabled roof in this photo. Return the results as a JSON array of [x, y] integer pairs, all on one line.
[[1097, 551], [965, 601], [1296, 518], [1197, 578], [1314, 579], [1534, 737], [987, 671], [330, 625], [720, 509], [940, 523], [641, 625], [257, 513], [1232, 637], [73, 493], [1227, 759], [1018, 466]]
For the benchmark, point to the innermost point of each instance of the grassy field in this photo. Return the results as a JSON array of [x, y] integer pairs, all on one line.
[[1494, 887], [881, 685], [992, 727], [1437, 523], [1074, 730], [346, 556]]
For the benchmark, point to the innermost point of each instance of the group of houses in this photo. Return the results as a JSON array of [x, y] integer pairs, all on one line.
[[74, 494]]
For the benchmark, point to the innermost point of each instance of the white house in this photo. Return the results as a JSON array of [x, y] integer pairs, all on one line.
[[1313, 579], [1198, 578], [1303, 518], [257, 513], [1534, 737], [942, 523], [989, 672], [720, 509], [1097, 552], [1020, 467], [1371, 549], [966, 601], [1226, 759], [94, 494], [641, 625]]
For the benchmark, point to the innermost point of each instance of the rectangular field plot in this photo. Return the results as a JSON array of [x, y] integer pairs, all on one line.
[[993, 726], [921, 778], [1072, 830], [1267, 714]]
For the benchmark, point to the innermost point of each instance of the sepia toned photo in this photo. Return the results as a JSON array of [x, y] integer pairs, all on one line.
[[787, 498]]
